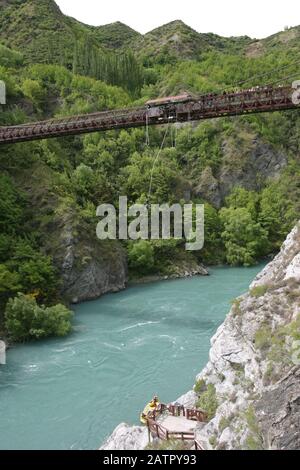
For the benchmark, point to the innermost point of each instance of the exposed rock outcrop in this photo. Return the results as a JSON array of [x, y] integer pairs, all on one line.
[[247, 162], [127, 437], [2, 352], [89, 267], [254, 365]]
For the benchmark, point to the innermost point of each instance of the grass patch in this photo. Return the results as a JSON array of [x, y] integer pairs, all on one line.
[[200, 387], [168, 445], [236, 307], [254, 439], [263, 338], [213, 441], [224, 423], [259, 291]]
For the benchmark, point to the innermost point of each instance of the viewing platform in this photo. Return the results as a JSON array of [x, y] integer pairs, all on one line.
[[175, 422]]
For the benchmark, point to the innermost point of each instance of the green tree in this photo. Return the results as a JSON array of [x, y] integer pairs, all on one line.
[[240, 197], [25, 319], [33, 90], [10, 282], [212, 252], [10, 206], [141, 257], [280, 205], [245, 240], [36, 271]]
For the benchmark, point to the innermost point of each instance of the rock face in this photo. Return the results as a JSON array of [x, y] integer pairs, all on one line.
[[247, 166], [86, 267], [2, 353], [254, 365], [89, 267], [127, 437]]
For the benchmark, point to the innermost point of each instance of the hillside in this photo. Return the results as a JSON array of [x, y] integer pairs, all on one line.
[[115, 35], [287, 40], [177, 41], [245, 169], [39, 30]]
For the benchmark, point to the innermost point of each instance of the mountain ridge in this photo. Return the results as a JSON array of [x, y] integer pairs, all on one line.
[[40, 30]]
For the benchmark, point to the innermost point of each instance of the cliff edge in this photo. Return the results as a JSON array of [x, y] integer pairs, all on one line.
[[251, 384]]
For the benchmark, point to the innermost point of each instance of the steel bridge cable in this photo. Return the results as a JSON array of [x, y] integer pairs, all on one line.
[[147, 130], [264, 74], [260, 75], [288, 77], [155, 160]]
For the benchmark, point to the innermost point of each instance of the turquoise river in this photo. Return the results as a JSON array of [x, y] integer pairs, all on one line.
[[150, 339]]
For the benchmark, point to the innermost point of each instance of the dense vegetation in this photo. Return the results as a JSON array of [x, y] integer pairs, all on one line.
[[24, 319], [67, 69]]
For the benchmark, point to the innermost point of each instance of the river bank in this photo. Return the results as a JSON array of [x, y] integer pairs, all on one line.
[[180, 272]]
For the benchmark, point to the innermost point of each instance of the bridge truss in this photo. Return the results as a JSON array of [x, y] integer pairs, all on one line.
[[208, 106]]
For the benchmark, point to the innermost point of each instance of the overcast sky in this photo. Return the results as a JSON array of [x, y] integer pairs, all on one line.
[[255, 18]]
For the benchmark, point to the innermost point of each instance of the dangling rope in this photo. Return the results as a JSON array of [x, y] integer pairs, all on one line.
[[189, 127], [176, 131], [155, 160], [147, 131]]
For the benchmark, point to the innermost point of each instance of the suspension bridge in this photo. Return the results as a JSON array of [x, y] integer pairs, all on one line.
[[178, 109]]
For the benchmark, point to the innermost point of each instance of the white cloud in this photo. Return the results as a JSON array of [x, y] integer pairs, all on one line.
[[255, 18]]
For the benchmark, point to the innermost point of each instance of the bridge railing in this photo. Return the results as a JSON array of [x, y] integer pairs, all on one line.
[[191, 414], [198, 446], [159, 431]]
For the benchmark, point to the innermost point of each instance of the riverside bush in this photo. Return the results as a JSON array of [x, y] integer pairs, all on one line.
[[25, 319]]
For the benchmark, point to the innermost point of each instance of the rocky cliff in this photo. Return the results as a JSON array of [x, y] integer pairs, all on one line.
[[251, 382], [247, 162], [87, 267]]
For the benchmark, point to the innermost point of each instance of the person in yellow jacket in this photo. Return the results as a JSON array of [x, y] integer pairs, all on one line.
[[150, 407]]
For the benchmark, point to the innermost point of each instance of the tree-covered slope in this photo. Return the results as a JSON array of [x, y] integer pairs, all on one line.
[[115, 35], [245, 169], [177, 41], [39, 30]]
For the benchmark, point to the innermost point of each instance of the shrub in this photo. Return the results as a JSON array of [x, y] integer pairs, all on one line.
[[25, 319], [171, 444], [208, 401], [254, 439], [263, 338], [258, 291], [141, 257], [245, 240], [213, 441], [200, 386], [224, 423], [236, 307], [34, 90], [36, 271]]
